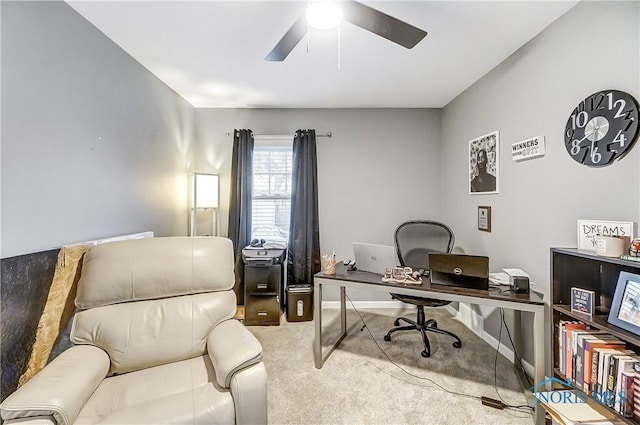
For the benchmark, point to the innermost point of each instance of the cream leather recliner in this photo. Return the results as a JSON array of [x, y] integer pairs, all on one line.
[[156, 343]]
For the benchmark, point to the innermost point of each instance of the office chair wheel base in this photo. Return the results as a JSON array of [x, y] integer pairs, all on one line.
[[457, 344], [425, 354], [396, 322], [432, 323], [387, 337]]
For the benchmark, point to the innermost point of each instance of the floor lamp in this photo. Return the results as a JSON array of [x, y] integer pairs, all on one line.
[[205, 195]]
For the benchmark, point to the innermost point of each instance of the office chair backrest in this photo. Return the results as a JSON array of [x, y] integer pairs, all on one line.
[[415, 239]]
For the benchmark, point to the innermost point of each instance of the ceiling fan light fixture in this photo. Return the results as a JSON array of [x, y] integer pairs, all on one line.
[[324, 15]]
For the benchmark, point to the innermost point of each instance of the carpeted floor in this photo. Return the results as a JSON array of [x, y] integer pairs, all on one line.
[[359, 385]]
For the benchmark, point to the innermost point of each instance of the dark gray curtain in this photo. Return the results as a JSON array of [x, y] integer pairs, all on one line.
[[304, 232], [240, 206]]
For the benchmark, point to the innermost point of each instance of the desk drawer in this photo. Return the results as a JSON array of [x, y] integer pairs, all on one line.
[[261, 310], [262, 280]]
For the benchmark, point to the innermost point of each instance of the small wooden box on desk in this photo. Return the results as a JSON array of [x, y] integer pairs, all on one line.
[[586, 270]]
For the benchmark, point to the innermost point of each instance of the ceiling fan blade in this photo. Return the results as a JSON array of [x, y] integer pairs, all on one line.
[[289, 41], [382, 24]]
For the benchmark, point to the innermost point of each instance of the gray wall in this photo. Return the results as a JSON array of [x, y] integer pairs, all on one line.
[[93, 145], [532, 93], [381, 167]]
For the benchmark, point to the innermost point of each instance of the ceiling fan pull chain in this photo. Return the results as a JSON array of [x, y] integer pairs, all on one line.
[[339, 43], [308, 30]]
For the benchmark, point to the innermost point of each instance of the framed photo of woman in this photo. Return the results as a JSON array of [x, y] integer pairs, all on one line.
[[483, 164]]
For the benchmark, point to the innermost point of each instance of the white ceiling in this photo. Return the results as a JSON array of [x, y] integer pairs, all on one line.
[[212, 52]]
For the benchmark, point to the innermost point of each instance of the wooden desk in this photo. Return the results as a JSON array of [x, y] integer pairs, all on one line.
[[344, 279]]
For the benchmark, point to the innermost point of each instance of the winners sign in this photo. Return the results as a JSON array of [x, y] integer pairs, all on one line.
[[529, 148]]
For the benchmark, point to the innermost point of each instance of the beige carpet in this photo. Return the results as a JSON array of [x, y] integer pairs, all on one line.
[[359, 385]]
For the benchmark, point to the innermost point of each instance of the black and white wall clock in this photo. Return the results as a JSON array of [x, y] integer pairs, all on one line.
[[602, 128]]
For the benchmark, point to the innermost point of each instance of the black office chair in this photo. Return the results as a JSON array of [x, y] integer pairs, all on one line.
[[414, 241]]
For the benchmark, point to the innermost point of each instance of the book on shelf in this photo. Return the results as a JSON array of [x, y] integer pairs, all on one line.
[[575, 367], [628, 389], [563, 325], [598, 364], [567, 362], [589, 345], [561, 334], [578, 355], [623, 388], [596, 369], [630, 258], [618, 363], [599, 386], [636, 408], [636, 392]]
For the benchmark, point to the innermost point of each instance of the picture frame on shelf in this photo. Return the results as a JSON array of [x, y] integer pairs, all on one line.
[[625, 307], [484, 218], [582, 301]]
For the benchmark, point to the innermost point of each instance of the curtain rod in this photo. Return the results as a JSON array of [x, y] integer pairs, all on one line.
[[283, 136]]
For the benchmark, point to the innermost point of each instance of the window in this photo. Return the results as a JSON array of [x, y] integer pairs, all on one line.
[[271, 203]]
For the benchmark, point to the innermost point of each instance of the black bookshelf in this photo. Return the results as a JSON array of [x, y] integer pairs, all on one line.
[[586, 270]]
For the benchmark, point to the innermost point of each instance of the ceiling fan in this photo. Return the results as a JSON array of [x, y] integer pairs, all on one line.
[[360, 15]]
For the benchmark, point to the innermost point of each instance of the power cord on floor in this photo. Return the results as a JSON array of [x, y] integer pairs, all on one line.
[[487, 401], [397, 365], [495, 366], [515, 351]]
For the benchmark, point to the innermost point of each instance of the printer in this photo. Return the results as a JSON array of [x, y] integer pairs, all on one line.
[[262, 257]]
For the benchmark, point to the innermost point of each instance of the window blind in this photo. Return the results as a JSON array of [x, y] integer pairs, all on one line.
[[271, 192]]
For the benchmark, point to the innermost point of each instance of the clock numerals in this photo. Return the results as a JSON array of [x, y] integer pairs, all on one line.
[[589, 154], [595, 105], [621, 139], [592, 154], [579, 120], [618, 102], [579, 153], [575, 147], [599, 156], [569, 133], [596, 156]]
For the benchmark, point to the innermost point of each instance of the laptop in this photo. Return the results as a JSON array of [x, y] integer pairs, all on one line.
[[466, 271], [374, 258]]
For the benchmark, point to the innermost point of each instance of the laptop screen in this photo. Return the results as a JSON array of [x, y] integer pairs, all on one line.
[[374, 258], [468, 271]]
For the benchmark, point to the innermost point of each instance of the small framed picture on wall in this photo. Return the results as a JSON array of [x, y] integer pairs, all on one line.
[[483, 164], [484, 219]]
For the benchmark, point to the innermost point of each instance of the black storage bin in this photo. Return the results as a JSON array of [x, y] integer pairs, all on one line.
[[299, 303]]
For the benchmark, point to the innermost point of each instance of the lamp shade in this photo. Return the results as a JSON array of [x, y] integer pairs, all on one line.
[[206, 190]]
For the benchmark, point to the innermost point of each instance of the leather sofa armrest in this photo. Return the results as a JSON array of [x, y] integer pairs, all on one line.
[[249, 391], [231, 348], [61, 389]]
